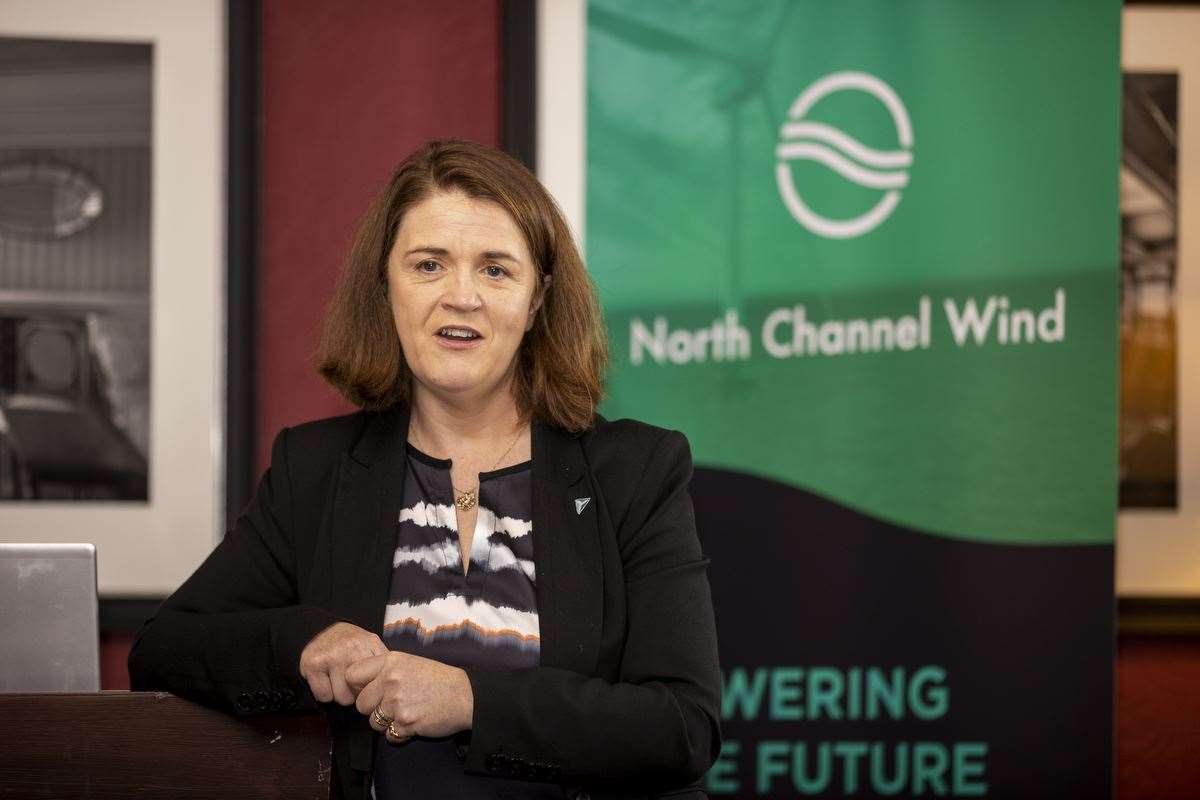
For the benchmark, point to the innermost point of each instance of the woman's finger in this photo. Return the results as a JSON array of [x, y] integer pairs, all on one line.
[[369, 698], [341, 692], [322, 689], [363, 671], [404, 733]]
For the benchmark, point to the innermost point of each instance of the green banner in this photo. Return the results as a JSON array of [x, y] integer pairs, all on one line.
[[869, 249], [865, 255]]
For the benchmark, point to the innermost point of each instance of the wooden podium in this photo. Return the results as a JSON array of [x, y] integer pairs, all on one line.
[[117, 744]]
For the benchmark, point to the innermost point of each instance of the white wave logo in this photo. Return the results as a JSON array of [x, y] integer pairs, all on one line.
[[801, 139]]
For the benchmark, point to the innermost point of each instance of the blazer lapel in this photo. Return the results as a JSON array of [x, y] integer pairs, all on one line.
[[566, 552], [366, 511]]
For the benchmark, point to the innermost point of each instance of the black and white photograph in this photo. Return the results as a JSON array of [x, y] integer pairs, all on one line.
[[113, 282], [75, 155]]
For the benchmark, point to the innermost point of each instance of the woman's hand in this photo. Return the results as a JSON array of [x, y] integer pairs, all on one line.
[[324, 660], [421, 696]]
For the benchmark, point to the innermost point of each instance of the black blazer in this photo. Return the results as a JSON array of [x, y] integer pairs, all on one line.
[[625, 702]]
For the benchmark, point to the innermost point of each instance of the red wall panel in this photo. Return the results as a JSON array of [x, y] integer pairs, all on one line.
[[348, 89]]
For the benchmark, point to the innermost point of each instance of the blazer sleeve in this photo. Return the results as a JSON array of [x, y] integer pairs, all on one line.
[[658, 725], [232, 634]]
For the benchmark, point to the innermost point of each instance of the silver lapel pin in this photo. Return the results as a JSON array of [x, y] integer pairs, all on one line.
[[581, 504]]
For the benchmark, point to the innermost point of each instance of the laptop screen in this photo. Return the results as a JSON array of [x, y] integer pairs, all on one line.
[[49, 618]]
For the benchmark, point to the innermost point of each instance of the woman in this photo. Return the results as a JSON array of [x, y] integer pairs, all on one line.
[[489, 588]]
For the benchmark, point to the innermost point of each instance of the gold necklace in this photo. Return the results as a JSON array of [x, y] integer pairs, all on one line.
[[467, 500]]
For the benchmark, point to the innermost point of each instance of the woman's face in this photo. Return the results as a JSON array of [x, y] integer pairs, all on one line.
[[461, 285]]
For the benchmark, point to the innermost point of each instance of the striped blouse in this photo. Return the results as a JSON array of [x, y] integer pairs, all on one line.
[[487, 617]]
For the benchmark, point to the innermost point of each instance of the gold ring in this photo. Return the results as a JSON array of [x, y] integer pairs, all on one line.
[[379, 718], [391, 731]]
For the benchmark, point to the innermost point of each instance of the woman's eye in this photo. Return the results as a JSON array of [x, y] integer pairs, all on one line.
[[494, 271], [421, 265]]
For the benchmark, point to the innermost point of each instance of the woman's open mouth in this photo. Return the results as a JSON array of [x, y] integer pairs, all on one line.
[[458, 336]]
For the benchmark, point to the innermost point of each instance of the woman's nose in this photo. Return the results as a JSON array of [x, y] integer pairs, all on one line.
[[462, 293]]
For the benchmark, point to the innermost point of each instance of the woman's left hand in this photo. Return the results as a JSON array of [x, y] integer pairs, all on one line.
[[421, 696]]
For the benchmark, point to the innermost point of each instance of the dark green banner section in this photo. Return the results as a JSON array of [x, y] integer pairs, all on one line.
[[862, 659], [868, 249]]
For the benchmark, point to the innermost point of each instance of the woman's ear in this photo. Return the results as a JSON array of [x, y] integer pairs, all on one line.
[[537, 301]]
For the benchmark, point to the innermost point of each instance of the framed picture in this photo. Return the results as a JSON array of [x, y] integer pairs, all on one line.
[[1158, 524], [112, 283]]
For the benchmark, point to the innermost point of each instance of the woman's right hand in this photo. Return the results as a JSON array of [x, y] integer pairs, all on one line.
[[324, 660]]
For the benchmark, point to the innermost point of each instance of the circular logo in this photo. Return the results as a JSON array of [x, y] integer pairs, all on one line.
[[801, 139]]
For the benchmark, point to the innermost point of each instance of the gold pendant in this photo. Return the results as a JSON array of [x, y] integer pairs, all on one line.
[[465, 501]]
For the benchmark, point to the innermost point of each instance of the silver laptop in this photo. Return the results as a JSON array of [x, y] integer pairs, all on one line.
[[49, 618]]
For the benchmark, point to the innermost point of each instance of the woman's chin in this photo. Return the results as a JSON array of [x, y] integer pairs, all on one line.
[[462, 385]]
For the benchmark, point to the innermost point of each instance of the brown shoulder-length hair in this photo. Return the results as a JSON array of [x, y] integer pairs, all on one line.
[[562, 358]]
